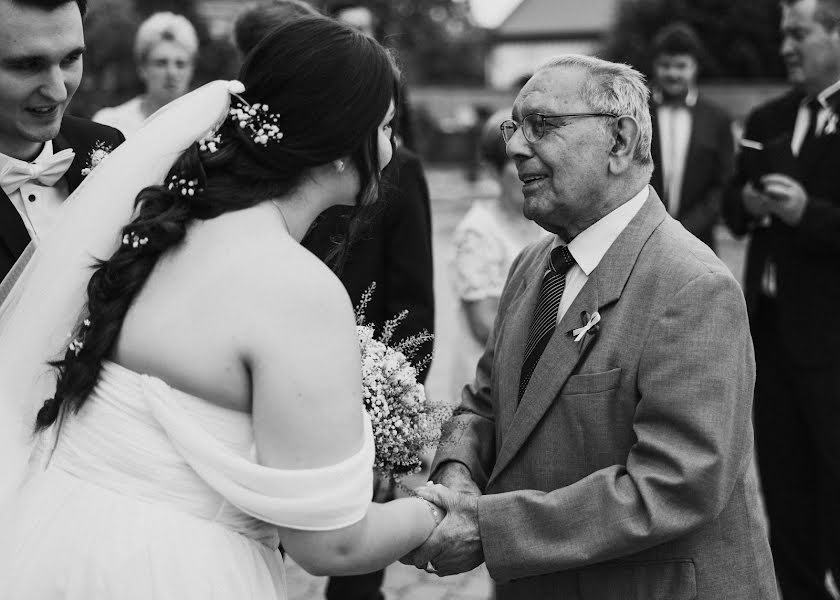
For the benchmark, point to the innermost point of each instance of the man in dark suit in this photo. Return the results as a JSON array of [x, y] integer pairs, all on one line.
[[786, 193], [43, 154], [692, 137]]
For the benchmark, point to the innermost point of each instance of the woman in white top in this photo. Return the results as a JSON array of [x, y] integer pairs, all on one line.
[[164, 50], [208, 403], [486, 241]]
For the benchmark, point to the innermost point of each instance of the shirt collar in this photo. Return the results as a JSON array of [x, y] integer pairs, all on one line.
[[46, 152], [590, 245]]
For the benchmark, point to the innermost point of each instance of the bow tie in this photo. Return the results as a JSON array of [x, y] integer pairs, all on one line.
[[674, 103], [46, 172]]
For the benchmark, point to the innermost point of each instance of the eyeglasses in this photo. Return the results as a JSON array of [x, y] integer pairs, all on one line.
[[533, 125]]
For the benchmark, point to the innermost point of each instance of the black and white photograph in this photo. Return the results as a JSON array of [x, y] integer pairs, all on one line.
[[419, 300]]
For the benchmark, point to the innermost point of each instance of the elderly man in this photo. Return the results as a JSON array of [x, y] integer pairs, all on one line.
[[787, 195], [605, 448]]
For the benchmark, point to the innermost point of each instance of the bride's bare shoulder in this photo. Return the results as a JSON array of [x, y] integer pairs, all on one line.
[[262, 269]]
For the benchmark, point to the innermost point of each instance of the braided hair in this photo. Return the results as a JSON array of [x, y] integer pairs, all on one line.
[[330, 87]]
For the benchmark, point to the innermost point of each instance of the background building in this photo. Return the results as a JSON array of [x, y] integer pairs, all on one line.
[[539, 29]]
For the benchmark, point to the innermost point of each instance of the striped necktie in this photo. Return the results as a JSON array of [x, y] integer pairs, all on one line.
[[545, 315]]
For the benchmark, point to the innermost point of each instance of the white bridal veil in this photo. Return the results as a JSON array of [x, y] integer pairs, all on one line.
[[42, 298]]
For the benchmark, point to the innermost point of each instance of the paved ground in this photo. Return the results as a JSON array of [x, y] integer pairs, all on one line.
[[451, 196]]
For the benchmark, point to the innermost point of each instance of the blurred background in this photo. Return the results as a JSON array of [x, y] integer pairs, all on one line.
[[463, 59]]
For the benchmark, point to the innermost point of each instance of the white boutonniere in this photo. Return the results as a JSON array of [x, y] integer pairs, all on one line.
[[831, 124], [99, 151], [590, 325]]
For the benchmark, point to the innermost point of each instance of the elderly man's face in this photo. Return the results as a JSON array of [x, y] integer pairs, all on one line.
[[563, 173]]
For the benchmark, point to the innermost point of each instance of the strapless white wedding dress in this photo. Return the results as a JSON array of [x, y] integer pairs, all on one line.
[[153, 494]]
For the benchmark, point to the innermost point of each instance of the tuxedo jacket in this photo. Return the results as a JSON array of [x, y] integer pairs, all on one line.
[[394, 250], [708, 167], [807, 256], [82, 136], [626, 470]]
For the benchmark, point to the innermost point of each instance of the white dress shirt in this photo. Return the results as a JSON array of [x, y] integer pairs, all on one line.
[[590, 245], [37, 204], [675, 123]]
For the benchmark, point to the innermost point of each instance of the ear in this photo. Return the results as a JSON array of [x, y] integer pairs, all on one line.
[[626, 133]]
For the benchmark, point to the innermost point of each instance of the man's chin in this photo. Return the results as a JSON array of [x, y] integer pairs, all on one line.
[[43, 132], [796, 76]]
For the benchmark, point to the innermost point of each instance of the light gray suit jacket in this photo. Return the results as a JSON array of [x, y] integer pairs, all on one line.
[[626, 472]]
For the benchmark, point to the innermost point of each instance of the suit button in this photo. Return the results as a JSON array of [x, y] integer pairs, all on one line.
[[32, 198]]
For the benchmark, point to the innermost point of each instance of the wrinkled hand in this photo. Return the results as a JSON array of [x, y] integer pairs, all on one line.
[[788, 197], [457, 477], [455, 545], [755, 202]]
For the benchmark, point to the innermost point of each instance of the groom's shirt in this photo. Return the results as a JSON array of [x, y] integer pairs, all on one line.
[[590, 245], [35, 203]]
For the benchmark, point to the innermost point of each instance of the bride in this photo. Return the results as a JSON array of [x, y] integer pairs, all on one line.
[[207, 405]]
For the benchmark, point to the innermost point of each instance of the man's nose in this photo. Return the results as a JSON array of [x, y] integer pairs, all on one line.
[[53, 87], [517, 147], [787, 47]]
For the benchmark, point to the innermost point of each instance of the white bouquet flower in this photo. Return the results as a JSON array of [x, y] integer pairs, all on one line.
[[405, 422]]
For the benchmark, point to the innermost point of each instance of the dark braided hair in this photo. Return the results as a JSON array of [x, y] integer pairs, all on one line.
[[331, 87]]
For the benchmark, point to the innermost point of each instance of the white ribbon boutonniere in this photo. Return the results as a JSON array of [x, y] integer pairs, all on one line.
[[831, 124], [99, 151], [590, 325]]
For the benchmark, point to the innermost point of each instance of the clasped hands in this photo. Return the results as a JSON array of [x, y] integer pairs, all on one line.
[[455, 544], [779, 195]]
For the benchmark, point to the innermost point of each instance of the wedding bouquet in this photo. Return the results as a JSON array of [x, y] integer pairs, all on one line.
[[405, 422]]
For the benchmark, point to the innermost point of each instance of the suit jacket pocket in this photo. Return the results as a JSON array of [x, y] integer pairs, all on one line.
[[592, 383], [655, 580]]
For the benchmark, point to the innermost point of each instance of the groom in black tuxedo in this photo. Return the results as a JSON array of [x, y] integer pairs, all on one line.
[[786, 194], [44, 155]]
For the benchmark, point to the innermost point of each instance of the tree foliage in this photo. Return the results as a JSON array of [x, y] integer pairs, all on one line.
[[741, 36]]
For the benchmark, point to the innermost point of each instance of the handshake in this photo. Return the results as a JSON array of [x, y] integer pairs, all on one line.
[[455, 544]]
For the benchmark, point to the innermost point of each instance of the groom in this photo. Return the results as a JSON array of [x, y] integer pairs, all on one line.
[[43, 154], [605, 449]]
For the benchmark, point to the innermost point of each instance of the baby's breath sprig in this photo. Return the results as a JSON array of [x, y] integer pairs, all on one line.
[[363, 303], [405, 422]]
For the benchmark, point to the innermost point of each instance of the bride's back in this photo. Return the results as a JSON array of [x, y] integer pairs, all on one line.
[[189, 324]]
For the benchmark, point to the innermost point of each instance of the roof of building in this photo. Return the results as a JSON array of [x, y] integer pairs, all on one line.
[[558, 19]]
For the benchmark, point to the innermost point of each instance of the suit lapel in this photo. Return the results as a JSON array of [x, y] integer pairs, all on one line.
[[698, 118], [13, 232], [563, 355], [521, 310]]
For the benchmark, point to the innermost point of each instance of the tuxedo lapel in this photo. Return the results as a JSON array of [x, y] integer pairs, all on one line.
[[13, 232], [563, 354]]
